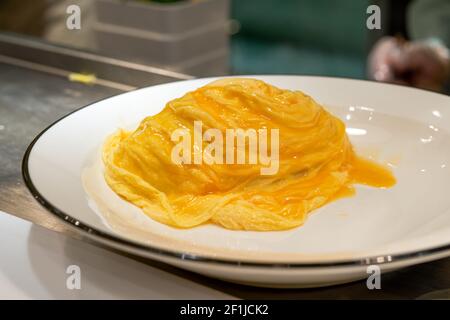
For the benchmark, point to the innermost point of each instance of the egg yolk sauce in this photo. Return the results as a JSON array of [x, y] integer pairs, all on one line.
[[317, 163]]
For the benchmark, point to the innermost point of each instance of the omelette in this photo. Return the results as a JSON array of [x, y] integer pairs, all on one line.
[[184, 167]]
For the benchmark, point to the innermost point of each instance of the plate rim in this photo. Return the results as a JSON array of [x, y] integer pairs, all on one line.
[[101, 236]]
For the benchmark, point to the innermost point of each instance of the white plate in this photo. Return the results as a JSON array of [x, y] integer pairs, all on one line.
[[408, 224]]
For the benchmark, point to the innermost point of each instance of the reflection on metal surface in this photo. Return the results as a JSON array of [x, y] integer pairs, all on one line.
[[52, 57], [61, 72], [35, 91]]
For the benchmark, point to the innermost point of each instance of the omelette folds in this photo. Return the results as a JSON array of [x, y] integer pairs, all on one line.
[[316, 161]]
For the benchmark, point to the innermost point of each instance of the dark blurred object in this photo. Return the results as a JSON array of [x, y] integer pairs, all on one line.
[[418, 64], [423, 61], [24, 16], [394, 20]]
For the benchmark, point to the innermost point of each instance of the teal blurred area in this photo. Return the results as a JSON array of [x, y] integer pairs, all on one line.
[[313, 37]]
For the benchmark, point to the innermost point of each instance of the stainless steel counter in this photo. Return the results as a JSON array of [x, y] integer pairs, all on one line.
[[30, 101], [35, 91]]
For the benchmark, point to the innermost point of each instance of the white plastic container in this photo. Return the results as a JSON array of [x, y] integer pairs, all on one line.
[[164, 18], [189, 36]]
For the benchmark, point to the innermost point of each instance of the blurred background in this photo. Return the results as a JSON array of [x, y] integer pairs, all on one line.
[[218, 37]]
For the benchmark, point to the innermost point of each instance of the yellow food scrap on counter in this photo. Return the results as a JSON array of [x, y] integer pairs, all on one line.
[[83, 78]]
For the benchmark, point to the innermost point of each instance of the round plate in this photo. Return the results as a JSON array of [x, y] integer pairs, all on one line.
[[405, 128]]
